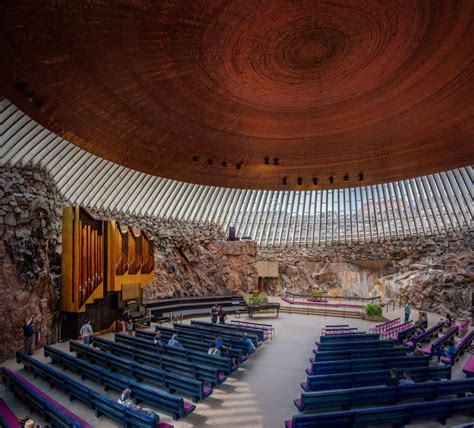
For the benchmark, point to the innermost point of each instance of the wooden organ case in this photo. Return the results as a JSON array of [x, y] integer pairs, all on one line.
[[104, 264]]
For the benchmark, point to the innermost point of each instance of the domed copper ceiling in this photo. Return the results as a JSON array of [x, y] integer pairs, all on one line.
[[250, 93]]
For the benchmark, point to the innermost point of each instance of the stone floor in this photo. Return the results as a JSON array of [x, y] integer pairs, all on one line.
[[258, 395]]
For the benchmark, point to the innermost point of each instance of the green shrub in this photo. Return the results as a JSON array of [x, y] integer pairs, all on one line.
[[258, 300], [372, 309]]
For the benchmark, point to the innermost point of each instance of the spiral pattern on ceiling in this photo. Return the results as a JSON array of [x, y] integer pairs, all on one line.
[[250, 93]]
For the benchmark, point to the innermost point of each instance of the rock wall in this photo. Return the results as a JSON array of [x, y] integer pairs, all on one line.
[[435, 273], [194, 259], [30, 263]]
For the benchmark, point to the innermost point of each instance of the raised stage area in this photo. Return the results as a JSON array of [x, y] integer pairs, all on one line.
[[258, 394]]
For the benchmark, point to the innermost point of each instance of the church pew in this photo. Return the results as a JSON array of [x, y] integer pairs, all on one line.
[[7, 417], [461, 347], [358, 344], [267, 328], [168, 380], [329, 367], [350, 354], [426, 336], [377, 395], [204, 373], [385, 326], [403, 336], [392, 332], [190, 343], [371, 378], [227, 328], [232, 340], [224, 364], [102, 404], [349, 337], [469, 367], [38, 401], [432, 348], [397, 415], [157, 398]]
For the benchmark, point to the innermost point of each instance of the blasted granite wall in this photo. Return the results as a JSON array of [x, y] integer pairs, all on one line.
[[433, 273], [30, 261]]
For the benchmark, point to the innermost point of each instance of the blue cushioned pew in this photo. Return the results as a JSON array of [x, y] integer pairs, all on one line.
[[426, 336], [7, 417], [441, 341], [171, 381], [232, 340], [102, 405], [35, 399], [350, 353], [223, 364], [377, 395], [228, 329], [398, 415], [343, 366], [358, 344], [190, 343], [371, 378], [403, 336], [461, 347], [157, 398], [204, 373], [349, 337]]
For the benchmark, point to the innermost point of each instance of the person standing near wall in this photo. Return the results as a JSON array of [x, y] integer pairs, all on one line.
[[28, 334], [214, 314], [86, 332], [407, 312]]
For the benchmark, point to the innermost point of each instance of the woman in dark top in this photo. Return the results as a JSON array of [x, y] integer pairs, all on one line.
[[393, 379]]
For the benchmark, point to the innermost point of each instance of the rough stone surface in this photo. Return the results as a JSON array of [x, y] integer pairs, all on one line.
[[30, 263], [433, 273], [194, 259]]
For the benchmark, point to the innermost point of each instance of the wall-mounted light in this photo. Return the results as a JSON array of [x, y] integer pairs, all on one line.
[[315, 180], [195, 158], [360, 176], [239, 165], [331, 179], [224, 164], [346, 177], [267, 161], [285, 180], [276, 161], [299, 180]]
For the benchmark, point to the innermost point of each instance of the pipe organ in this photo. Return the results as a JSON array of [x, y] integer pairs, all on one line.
[[101, 257]]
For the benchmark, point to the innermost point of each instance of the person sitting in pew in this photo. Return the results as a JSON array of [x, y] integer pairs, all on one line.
[[227, 352], [393, 379], [418, 352], [125, 399], [247, 341], [451, 350], [406, 380], [157, 341], [218, 342], [174, 342]]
